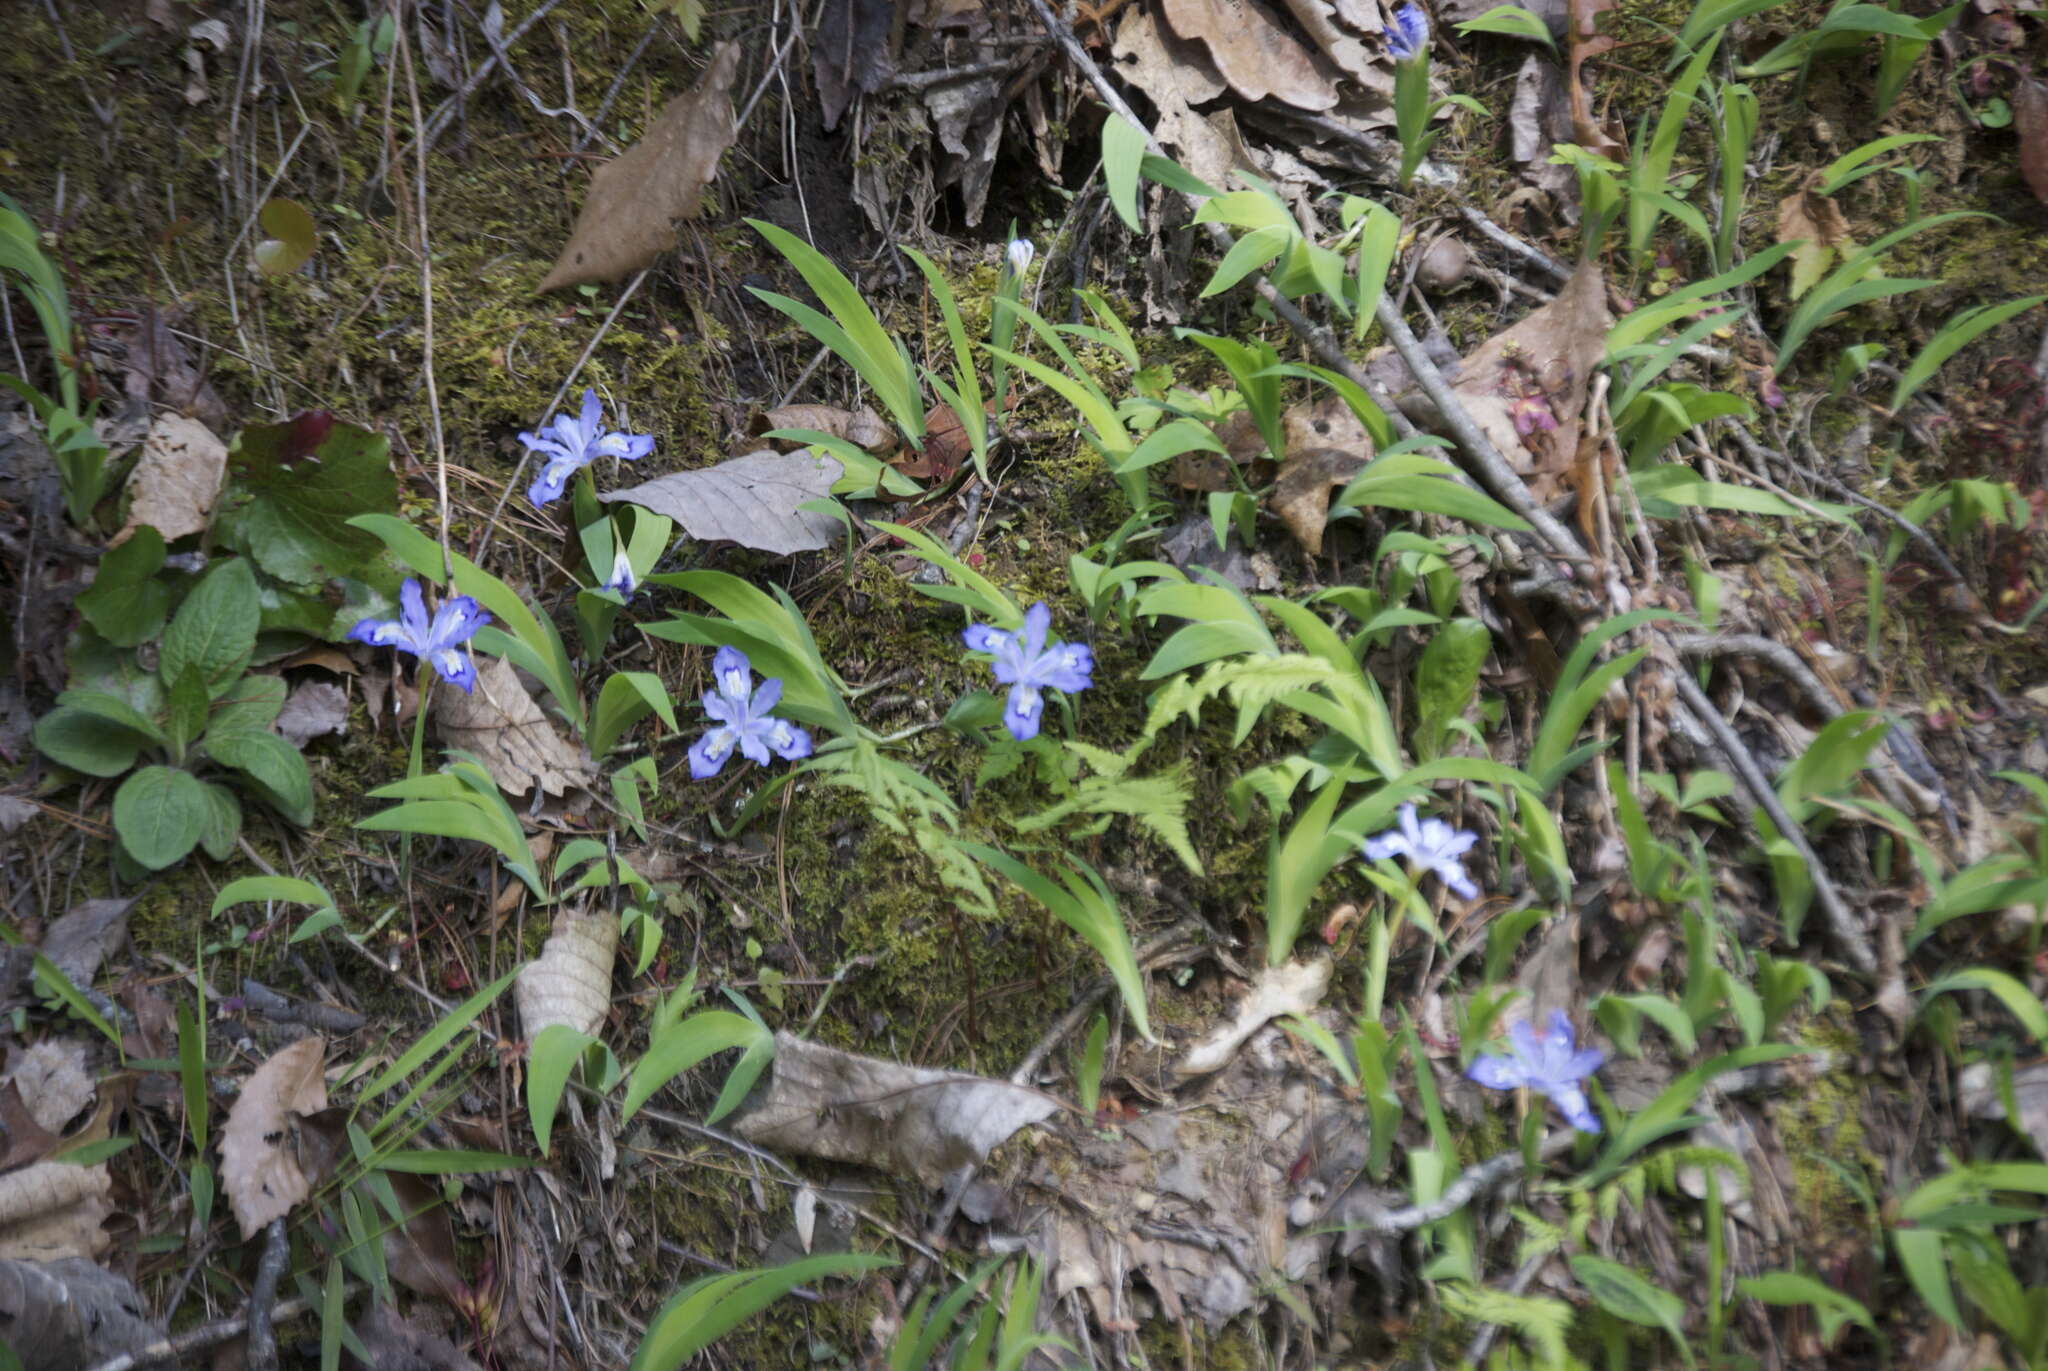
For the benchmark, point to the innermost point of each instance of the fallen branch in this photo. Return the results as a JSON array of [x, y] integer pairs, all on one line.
[[260, 1351]]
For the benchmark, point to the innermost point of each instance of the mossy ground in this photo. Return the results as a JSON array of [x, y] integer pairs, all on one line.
[[154, 207]]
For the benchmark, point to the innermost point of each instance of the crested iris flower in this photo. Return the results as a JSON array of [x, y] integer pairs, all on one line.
[[743, 719], [1019, 255], [1548, 1063], [435, 643], [1431, 845], [570, 444], [622, 579], [1027, 664], [1410, 34]]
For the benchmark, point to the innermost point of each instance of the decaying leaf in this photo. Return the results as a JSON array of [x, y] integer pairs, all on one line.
[[508, 732], [1301, 497], [1255, 55], [23, 1138], [176, 479], [967, 117], [78, 942], [862, 427], [259, 1166], [1539, 118], [2030, 122], [1175, 75], [635, 199], [1585, 40], [1341, 46], [64, 1314], [313, 710], [751, 500], [1816, 222], [52, 1082], [1526, 386], [822, 1102], [852, 53], [1290, 988], [571, 981], [53, 1210]]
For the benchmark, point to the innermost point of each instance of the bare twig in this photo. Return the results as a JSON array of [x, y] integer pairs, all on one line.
[[1534, 256], [260, 1351], [412, 90], [204, 1336], [1855, 944]]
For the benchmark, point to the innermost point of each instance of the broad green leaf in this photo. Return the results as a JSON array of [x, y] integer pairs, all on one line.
[[276, 767], [223, 821], [215, 629], [1083, 903], [1792, 1288], [292, 489], [159, 813], [251, 705], [1445, 678], [185, 698], [1957, 334], [2017, 999], [628, 697], [125, 602], [87, 741]]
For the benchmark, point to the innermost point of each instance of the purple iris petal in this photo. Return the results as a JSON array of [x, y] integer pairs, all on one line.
[[1430, 845], [1029, 665], [1550, 1063], [433, 641], [742, 715], [1410, 34], [573, 442]]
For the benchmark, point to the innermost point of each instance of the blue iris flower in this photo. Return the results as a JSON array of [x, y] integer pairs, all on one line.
[[1548, 1063], [1410, 34], [622, 580], [435, 643], [1027, 664], [570, 444], [1431, 845], [743, 719]]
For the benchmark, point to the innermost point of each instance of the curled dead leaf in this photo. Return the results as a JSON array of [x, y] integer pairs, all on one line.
[[755, 501], [1175, 76], [2030, 122], [629, 217], [842, 1106], [500, 722], [1301, 497], [571, 981], [1255, 55], [1814, 221], [53, 1210], [862, 427], [176, 480], [259, 1166]]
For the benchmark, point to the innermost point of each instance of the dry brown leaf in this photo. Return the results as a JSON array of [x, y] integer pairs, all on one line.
[[1174, 76], [1290, 988], [1816, 222], [2030, 122], [259, 1167], [314, 709], [1343, 48], [1585, 40], [905, 1120], [509, 733], [862, 427], [1526, 386], [176, 480], [52, 1081], [753, 500], [23, 1138], [635, 199], [70, 1313], [852, 54], [1254, 54], [967, 118], [54, 1210], [1301, 497], [78, 942], [571, 981]]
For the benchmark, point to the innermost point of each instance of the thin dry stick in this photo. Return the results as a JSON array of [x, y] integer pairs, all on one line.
[[1855, 945], [512, 484], [412, 91], [260, 1352], [204, 1336]]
